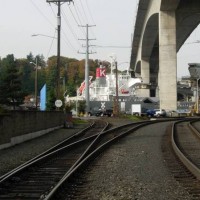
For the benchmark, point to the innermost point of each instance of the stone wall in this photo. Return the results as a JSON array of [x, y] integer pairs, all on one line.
[[19, 126]]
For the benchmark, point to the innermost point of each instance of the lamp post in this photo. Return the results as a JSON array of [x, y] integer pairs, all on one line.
[[116, 98], [36, 77], [38, 34], [197, 96]]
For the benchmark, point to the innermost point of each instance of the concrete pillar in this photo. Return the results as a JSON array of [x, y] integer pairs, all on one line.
[[167, 80], [145, 74]]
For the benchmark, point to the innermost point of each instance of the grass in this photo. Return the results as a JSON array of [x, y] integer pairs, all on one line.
[[134, 118], [79, 121]]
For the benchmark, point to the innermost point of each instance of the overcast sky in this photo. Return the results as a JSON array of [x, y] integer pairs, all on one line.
[[114, 22]]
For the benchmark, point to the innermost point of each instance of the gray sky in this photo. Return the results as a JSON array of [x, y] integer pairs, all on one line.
[[114, 22]]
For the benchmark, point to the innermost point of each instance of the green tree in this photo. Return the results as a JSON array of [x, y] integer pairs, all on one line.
[[51, 75], [11, 93], [51, 98], [27, 79], [81, 107]]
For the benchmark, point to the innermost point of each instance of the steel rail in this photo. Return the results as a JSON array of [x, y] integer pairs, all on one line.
[[55, 150], [189, 165], [57, 146], [194, 130], [87, 152], [81, 143], [85, 161]]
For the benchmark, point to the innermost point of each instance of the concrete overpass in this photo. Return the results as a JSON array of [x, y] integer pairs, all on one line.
[[161, 28]]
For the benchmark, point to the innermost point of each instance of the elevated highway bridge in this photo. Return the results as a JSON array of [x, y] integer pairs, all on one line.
[[161, 28]]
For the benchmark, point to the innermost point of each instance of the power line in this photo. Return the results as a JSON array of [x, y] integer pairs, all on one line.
[[77, 13], [89, 11], [42, 13], [84, 12], [51, 43], [90, 14], [78, 23], [70, 28], [101, 46], [52, 10]]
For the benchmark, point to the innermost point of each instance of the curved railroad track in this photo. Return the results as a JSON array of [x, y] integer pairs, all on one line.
[[67, 186], [181, 149], [43, 176], [186, 144]]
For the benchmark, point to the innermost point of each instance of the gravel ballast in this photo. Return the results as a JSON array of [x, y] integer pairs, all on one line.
[[132, 169], [16, 155]]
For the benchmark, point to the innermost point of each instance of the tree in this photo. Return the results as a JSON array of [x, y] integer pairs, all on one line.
[[51, 76], [11, 93], [30, 57], [81, 107], [51, 98]]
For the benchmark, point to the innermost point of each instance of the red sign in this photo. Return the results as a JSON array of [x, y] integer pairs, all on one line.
[[100, 72]]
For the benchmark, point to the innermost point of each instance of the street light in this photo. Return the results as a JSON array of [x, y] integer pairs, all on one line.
[[38, 34], [116, 98], [116, 103], [36, 74]]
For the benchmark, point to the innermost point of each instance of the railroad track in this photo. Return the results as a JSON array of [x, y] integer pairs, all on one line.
[[43, 176], [186, 144], [36, 178], [181, 150], [93, 128], [67, 186], [20, 173]]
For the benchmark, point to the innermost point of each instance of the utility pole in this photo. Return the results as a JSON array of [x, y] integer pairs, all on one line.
[[58, 53], [58, 3], [87, 95]]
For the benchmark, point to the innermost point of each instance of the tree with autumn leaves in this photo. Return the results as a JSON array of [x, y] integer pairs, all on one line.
[[17, 77], [72, 71]]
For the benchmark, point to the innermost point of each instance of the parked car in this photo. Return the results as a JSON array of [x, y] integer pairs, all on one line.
[[96, 112], [108, 112], [160, 113], [150, 112], [101, 113]]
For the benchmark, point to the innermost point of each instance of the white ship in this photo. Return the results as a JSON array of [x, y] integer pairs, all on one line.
[[103, 88]]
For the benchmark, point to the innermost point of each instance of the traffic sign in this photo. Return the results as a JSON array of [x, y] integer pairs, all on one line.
[[58, 103]]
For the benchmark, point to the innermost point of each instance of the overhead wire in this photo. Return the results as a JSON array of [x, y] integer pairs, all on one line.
[[78, 22], [92, 20], [83, 16], [46, 18], [51, 43], [116, 47], [52, 10], [84, 12], [65, 38], [70, 27], [79, 17], [90, 13]]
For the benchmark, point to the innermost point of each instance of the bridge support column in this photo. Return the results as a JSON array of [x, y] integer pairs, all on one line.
[[167, 79], [145, 74]]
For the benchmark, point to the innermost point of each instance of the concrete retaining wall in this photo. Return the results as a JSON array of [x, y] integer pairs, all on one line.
[[19, 126]]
